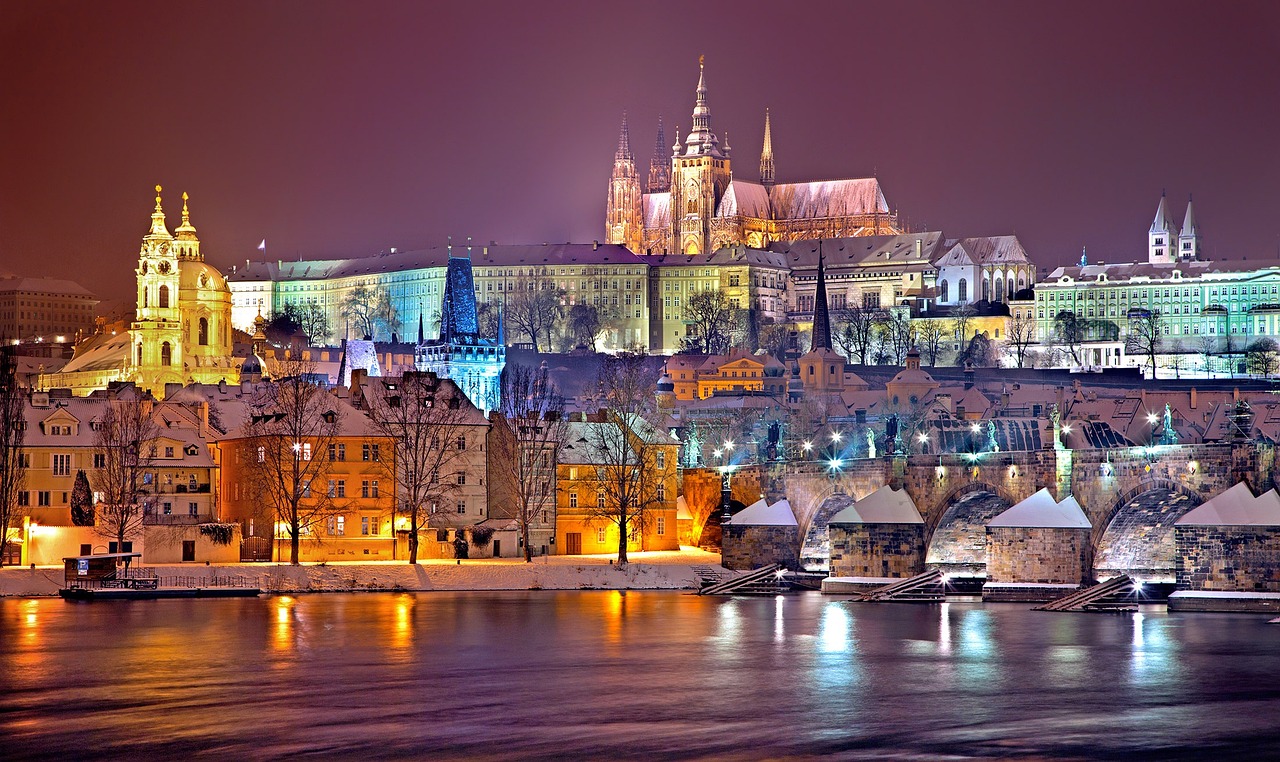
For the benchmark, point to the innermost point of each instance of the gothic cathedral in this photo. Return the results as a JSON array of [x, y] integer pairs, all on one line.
[[694, 205]]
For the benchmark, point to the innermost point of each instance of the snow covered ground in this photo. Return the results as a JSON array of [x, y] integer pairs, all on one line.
[[654, 570]]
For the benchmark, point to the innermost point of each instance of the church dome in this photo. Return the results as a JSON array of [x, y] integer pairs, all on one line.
[[665, 384], [196, 275]]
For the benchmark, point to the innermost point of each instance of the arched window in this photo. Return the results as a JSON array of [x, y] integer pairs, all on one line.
[[1012, 290], [942, 291], [139, 354], [986, 290], [962, 294], [164, 297], [998, 289], [202, 337], [166, 353], [146, 297]]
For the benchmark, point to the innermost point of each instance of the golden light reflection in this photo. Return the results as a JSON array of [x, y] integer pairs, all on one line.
[[615, 610], [402, 630], [944, 630], [283, 638], [779, 631]]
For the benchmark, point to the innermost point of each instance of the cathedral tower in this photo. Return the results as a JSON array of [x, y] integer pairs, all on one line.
[[623, 222], [699, 177], [659, 165]]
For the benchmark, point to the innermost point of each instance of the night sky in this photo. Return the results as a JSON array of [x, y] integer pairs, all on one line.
[[335, 129]]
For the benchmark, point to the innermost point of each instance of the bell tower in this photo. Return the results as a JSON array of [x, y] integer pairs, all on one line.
[[156, 355], [699, 178]]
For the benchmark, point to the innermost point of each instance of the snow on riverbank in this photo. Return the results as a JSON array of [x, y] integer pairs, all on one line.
[[666, 570]]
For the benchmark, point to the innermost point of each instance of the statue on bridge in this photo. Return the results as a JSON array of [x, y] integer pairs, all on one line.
[[1168, 436], [871, 443], [992, 444]]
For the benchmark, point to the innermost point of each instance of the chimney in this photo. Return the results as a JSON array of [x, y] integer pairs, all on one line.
[[595, 245], [204, 419], [1194, 399], [919, 248]]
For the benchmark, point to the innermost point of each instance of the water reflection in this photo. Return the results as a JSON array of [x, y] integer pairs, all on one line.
[[637, 676]]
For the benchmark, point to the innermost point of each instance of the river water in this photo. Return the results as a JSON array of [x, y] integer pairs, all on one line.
[[640, 675]]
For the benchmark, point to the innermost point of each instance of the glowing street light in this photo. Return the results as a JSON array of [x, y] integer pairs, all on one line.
[[728, 445], [1152, 418], [835, 464], [1066, 428], [835, 436], [923, 437], [807, 445], [718, 452]]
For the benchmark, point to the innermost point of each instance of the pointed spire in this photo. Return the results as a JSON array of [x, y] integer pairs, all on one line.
[[158, 226], [421, 326], [624, 142], [1189, 226], [1161, 223], [766, 155], [821, 318], [1084, 257], [659, 165], [701, 140]]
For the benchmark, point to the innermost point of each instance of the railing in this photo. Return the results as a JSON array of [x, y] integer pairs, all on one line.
[[146, 579]]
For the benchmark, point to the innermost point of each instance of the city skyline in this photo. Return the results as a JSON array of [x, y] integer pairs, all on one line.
[[331, 131]]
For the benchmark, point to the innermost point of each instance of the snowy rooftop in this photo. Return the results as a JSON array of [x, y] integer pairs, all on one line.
[[1236, 507], [761, 513], [1042, 511], [884, 506]]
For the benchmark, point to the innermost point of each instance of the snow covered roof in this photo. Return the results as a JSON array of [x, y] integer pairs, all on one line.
[[682, 509], [745, 198], [830, 198], [761, 513], [657, 210], [1042, 511], [884, 506], [1236, 507]]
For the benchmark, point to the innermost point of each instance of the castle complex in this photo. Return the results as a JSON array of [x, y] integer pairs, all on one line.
[[696, 205]]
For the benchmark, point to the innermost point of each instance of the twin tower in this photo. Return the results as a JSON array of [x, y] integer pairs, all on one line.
[[692, 203]]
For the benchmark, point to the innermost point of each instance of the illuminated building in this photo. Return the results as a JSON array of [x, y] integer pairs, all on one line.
[[181, 333], [700, 206], [44, 310]]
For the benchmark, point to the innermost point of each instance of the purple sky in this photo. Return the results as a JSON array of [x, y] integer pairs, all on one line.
[[338, 129]]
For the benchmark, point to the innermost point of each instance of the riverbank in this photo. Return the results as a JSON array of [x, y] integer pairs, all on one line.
[[657, 570]]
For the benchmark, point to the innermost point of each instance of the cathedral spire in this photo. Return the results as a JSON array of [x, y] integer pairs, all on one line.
[[702, 140], [624, 142], [659, 165], [821, 318], [766, 155]]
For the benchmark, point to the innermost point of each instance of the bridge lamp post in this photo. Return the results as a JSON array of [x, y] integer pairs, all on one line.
[[923, 438]]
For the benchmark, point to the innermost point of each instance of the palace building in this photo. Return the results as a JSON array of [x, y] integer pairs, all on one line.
[[181, 332], [693, 203]]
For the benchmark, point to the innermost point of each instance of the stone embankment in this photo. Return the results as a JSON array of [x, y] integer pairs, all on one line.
[[670, 571]]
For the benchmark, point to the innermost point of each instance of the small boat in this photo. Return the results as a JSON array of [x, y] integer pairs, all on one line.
[[111, 576]]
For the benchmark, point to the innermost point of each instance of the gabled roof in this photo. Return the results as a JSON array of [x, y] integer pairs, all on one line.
[[1041, 511], [744, 198], [761, 513], [827, 198], [884, 506], [1236, 507]]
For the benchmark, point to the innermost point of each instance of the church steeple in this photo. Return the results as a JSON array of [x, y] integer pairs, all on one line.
[[1189, 238], [701, 140], [158, 227], [821, 317], [1160, 244], [660, 164], [622, 216], [766, 155], [188, 245]]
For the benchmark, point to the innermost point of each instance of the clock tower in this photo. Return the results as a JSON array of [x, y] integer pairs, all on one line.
[[156, 355]]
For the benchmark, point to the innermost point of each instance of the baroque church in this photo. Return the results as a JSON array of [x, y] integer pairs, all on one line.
[[181, 332], [693, 204]]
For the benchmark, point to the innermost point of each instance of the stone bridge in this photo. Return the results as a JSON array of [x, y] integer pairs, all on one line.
[[1132, 496]]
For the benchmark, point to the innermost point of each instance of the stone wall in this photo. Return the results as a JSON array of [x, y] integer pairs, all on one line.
[[750, 547], [876, 550], [1228, 558], [1038, 555]]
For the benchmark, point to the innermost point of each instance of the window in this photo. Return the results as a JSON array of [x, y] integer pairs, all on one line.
[[193, 509], [600, 498], [306, 451], [364, 452], [377, 456], [340, 525], [462, 477], [373, 489], [202, 333], [164, 297], [306, 488], [24, 498], [662, 493], [462, 506], [662, 459], [573, 499], [662, 525], [338, 452], [168, 452], [373, 526], [364, 525], [167, 508], [600, 535], [61, 464], [342, 488], [166, 354], [462, 443], [364, 488], [333, 488], [262, 454]]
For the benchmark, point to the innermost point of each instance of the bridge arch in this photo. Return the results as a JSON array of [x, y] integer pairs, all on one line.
[[1136, 535], [958, 538]]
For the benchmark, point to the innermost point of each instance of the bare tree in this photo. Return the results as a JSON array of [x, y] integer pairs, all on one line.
[[529, 432], [931, 334], [423, 416], [1263, 357], [701, 499], [1206, 346], [962, 323], [125, 445], [584, 325], [713, 323], [534, 311], [292, 423], [1021, 334], [314, 322], [13, 463], [855, 331], [896, 335], [1068, 334], [370, 312], [1144, 336], [631, 458]]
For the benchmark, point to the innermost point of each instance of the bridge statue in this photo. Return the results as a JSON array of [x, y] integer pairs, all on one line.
[[871, 444], [992, 445], [1168, 436]]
